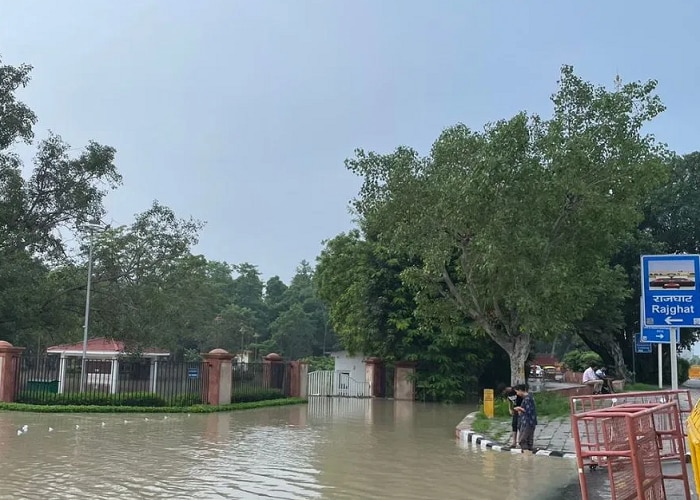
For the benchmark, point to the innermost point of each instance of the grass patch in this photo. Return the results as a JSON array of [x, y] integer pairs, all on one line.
[[550, 404], [56, 408], [639, 387], [481, 423]]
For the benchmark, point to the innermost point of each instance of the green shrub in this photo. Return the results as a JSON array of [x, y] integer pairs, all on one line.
[[259, 395], [137, 399], [140, 399], [317, 363], [578, 360], [43, 408], [186, 400]]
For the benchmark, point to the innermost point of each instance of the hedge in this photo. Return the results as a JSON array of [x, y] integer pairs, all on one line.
[[56, 408], [134, 399]]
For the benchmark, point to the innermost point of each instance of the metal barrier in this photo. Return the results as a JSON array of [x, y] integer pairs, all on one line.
[[592, 402], [627, 440]]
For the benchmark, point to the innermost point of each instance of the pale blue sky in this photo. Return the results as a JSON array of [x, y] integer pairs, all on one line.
[[240, 113]]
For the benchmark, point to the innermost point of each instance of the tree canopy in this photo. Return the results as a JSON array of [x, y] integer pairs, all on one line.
[[519, 221]]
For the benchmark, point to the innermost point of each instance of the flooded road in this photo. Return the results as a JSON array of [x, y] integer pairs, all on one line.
[[332, 448]]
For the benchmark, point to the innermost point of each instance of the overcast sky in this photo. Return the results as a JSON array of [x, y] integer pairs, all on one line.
[[241, 113]]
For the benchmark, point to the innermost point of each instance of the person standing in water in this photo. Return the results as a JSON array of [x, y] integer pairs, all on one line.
[[527, 417], [513, 401]]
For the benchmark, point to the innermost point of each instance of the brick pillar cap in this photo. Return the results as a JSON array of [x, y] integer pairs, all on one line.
[[273, 356], [373, 359], [218, 354], [5, 343]]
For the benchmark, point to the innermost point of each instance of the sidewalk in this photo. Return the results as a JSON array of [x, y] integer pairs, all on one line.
[[554, 435]]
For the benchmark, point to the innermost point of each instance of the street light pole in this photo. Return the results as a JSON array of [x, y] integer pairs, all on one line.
[[83, 375]]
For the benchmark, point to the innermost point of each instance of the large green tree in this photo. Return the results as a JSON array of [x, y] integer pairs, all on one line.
[[519, 222], [376, 312], [38, 214]]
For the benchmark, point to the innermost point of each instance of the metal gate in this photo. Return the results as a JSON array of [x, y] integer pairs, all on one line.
[[337, 384]]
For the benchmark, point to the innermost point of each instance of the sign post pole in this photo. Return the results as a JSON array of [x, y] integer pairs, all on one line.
[[674, 360], [634, 360], [661, 367]]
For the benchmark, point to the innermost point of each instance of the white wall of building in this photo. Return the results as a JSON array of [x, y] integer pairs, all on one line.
[[354, 366]]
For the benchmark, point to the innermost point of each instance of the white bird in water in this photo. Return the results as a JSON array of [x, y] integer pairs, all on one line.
[[165, 417], [77, 427], [19, 432], [50, 429], [25, 428], [103, 424], [126, 421], [146, 419], [188, 414]]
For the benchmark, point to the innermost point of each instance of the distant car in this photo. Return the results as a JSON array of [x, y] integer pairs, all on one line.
[[536, 371], [552, 373]]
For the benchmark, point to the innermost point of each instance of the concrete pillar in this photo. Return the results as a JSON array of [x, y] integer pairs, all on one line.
[[273, 371], [404, 386], [153, 375], [298, 381], [62, 374], [373, 376], [220, 372], [303, 380], [114, 377], [9, 368]]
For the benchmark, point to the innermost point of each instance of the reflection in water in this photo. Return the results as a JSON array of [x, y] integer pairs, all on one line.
[[334, 448]]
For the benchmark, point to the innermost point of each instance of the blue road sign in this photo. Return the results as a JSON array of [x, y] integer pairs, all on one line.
[[670, 292], [641, 347], [659, 335], [193, 372]]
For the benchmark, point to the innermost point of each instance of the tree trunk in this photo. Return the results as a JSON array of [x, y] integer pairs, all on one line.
[[619, 359], [518, 350]]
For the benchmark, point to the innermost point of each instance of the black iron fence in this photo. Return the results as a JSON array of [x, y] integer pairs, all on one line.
[[259, 380], [128, 381]]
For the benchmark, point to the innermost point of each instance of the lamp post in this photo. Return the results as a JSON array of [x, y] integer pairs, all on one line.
[[83, 376]]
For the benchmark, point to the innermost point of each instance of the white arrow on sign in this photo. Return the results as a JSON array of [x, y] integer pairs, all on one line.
[[670, 320], [660, 335]]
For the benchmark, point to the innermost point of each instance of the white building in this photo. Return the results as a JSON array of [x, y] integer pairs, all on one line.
[[348, 379]]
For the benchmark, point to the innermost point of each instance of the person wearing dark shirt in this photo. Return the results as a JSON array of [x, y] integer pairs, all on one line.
[[513, 401], [527, 418]]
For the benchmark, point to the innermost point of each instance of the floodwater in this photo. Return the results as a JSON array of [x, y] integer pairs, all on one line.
[[332, 448]]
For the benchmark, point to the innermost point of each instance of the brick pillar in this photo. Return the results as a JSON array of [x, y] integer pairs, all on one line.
[[373, 376], [298, 373], [273, 371], [404, 386], [9, 367], [220, 376]]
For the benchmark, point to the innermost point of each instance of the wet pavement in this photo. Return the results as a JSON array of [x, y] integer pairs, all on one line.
[[554, 434]]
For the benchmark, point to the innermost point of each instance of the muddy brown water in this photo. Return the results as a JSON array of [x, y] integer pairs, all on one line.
[[332, 448]]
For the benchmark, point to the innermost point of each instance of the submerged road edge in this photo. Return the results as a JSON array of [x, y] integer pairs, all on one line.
[[464, 433]]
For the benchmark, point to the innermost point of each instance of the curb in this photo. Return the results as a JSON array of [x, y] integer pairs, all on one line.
[[465, 434]]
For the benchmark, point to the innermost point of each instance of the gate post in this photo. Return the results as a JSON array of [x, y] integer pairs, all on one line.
[[303, 380], [404, 386], [9, 369], [220, 376], [373, 375], [298, 375], [273, 371]]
